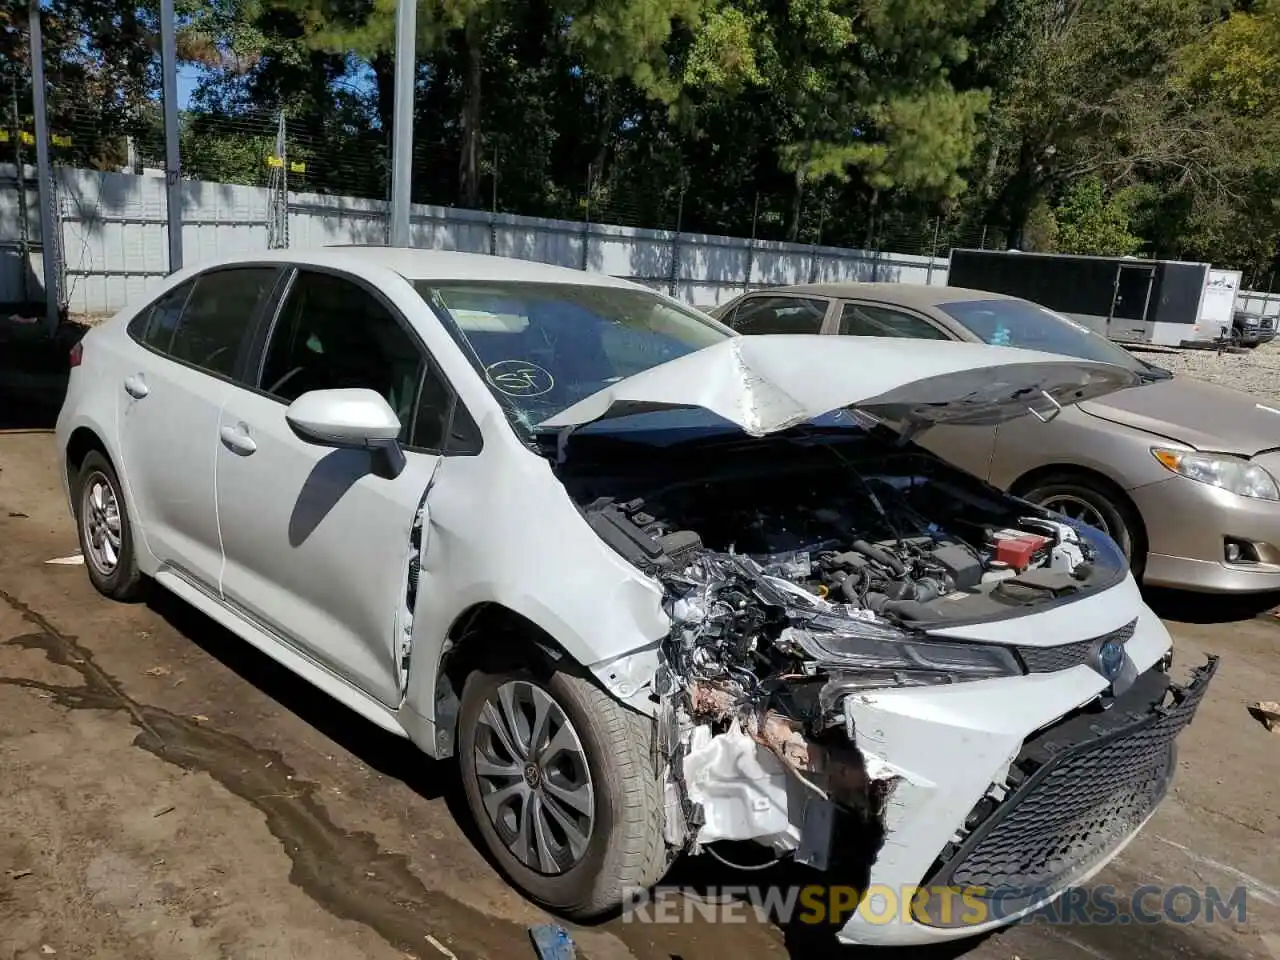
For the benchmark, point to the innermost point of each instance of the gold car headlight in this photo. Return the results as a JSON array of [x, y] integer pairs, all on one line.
[[1234, 474]]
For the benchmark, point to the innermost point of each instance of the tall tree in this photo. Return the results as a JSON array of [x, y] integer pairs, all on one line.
[[1092, 95]]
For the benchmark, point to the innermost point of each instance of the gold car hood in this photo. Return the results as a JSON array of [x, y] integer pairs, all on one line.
[[1202, 415]]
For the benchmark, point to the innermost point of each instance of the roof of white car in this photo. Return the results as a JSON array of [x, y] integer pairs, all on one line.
[[415, 264]]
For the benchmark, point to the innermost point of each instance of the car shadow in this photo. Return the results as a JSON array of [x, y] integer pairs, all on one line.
[[384, 752], [397, 758], [1204, 608]]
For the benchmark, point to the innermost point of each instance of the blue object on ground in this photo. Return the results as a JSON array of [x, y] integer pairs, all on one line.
[[552, 942]]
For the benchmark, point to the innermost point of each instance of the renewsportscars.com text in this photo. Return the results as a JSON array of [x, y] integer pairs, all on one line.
[[951, 906]]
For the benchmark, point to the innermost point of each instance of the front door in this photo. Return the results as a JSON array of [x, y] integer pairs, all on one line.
[[315, 544]]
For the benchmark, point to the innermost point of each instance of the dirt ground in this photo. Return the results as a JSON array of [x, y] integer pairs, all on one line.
[[168, 792]]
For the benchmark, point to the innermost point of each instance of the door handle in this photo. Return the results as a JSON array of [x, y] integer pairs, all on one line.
[[237, 440], [136, 387]]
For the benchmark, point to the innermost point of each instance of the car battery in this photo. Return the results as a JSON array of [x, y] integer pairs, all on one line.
[[1017, 548]]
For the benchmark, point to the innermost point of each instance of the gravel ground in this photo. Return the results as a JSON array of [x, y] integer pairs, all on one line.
[[1255, 371]]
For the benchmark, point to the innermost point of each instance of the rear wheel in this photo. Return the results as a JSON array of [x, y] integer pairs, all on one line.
[[106, 537], [559, 779], [1095, 503]]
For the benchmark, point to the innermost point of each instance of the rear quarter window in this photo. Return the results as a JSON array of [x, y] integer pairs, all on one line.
[[154, 325]]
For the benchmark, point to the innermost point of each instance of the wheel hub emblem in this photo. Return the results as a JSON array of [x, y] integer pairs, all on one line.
[[532, 775]]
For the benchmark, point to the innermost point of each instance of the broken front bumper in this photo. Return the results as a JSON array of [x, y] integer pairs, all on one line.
[[1075, 794]]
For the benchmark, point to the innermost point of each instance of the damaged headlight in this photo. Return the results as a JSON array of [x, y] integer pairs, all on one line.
[[881, 656]]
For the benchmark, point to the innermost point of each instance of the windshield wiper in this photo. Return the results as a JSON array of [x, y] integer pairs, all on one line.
[[1153, 374]]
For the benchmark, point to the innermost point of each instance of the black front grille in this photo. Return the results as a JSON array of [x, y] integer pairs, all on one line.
[[1076, 790], [1068, 655]]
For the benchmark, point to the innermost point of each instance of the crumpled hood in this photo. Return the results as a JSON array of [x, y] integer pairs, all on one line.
[[766, 384], [1202, 415]]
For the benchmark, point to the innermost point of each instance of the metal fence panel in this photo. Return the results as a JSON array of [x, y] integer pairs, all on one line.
[[114, 238]]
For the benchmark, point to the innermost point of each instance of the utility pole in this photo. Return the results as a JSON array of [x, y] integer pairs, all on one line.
[[933, 248], [49, 245], [402, 131], [172, 155], [24, 215]]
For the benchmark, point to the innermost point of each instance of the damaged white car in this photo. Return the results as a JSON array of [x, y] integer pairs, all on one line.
[[657, 586]]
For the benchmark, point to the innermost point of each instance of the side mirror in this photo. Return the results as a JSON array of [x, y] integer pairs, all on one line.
[[352, 419]]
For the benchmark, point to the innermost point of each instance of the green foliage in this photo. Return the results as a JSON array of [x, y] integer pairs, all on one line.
[[1099, 126], [1090, 222], [1041, 233]]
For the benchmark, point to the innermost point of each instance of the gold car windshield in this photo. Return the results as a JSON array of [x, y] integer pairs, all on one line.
[[1017, 323]]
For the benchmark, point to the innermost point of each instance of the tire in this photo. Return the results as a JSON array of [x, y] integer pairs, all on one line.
[[1119, 520], [1255, 345], [625, 850], [98, 483]]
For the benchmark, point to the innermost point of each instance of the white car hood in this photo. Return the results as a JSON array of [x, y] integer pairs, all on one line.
[[765, 384]]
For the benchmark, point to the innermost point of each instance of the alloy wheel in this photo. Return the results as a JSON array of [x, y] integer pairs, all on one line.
[[100, 523], [533, 777], [1077, 508]]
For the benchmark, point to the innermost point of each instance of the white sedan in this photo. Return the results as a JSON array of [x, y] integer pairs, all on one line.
[[656, 585]]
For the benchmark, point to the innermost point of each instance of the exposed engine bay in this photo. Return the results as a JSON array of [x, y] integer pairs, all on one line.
[[799, 569]]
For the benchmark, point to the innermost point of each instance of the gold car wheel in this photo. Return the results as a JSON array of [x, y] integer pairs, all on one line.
[[1075, 508]]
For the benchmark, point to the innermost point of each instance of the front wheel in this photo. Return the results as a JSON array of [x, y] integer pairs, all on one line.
[[559, 779], [1091, 502]]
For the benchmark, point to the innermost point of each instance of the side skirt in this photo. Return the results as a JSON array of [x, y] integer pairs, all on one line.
[[281, 652]]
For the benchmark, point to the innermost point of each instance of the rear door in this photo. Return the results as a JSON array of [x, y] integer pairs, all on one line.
[[194, 340], [968, 447], [316, 546]]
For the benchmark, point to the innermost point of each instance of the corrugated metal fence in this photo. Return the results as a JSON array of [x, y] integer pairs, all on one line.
[[114, 231], [114, 241]]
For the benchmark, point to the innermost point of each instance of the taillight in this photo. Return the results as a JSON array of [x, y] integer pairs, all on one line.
[[77, 354]]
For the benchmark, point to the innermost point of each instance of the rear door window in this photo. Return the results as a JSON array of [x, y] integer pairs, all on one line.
[[219, 316], [761, 315], [867, 320]]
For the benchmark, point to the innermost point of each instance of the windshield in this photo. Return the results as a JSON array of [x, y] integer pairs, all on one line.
[[1017, 323], [544, 346]]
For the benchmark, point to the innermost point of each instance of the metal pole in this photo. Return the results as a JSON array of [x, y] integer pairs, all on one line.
[[933, 250], [813, 249], [24, 224], [172, 156], [402, 129], [48, 241], [586, 222], [674, 285]]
